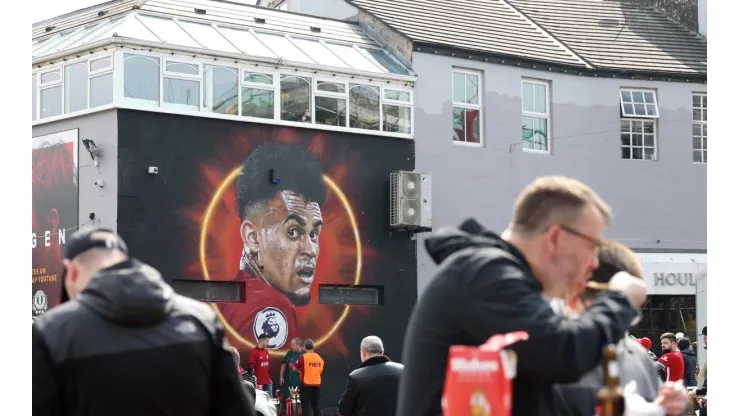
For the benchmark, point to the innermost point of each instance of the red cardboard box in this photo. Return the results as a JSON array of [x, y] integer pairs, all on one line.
[[478, 380]]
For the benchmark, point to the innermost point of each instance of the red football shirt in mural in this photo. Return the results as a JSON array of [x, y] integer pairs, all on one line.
[[266, 311]]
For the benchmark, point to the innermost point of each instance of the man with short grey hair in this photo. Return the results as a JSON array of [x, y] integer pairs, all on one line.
[[372, 388], [372, 346]]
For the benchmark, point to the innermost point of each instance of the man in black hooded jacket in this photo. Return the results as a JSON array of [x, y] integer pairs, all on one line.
[[492, 285], [125, 344]]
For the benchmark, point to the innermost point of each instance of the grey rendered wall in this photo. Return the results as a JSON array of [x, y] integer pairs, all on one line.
[[102, 128], [663, 200]]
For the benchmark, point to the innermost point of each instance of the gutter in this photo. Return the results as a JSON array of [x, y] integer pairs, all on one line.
[[118, 41], [556, 67]]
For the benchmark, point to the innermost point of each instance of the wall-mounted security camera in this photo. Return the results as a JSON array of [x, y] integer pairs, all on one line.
[[93, 150], [153, 170], [99, 183]]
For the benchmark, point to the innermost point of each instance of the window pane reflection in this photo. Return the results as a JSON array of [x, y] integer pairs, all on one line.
[[141, 77], [397, 119], [364, 107], [258, 103], [75, 87], [295, 98], [181, 91], [331, 111], [221, 90], [51, 102], [101, 90], [465, 125]]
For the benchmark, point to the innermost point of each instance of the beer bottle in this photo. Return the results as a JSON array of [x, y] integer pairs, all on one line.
[[609, 399]]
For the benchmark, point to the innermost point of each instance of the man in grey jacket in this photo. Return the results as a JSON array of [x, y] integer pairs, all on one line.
[[635, 365]]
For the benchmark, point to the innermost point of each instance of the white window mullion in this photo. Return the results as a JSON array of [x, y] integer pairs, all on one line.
[[239, 92], [276, 101], [118, 92], [201, 87]]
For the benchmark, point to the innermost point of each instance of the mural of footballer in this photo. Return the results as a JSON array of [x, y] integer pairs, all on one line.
[[280, 227]]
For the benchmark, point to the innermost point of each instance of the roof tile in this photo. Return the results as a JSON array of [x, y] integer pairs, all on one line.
[[604, 34], [485, 26]]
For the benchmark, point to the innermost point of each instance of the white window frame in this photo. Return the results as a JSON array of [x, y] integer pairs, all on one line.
[[546, 115], [52, 84], [122, 79], [345, 95], [60, 68], [274, 87], [102, 71], [35, 96], [86, 63], [377, 85], [640, 118], [56, 68], [208, 87], [164, 73], [702, 124], [479, 106], [98, 73], [278, 101], [399, 103], [655, 138], [642, 90], [244, 67]]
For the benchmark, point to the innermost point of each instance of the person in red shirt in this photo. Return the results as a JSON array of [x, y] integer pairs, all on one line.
[[671, 359], [280, 191], [259, 361]]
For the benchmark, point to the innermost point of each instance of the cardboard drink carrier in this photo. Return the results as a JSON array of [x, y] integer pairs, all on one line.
[[479, 379]]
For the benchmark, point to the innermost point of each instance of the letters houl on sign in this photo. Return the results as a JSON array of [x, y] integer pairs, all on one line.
[[673, 279]]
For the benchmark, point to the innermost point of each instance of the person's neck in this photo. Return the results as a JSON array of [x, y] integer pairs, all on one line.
[[529, 251], [369, 356]]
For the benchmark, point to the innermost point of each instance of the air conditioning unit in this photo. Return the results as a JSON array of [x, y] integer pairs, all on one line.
[[411, 201]]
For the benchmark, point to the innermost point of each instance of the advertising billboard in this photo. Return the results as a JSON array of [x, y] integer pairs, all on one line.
[[55, 212]]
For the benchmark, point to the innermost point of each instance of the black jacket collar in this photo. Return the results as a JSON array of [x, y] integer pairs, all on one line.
[[380, 359]]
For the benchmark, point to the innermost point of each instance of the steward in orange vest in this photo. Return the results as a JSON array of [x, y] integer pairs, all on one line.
[[311, 366]]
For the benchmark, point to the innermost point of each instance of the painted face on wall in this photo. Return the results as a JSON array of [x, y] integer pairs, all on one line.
[[286, 240]]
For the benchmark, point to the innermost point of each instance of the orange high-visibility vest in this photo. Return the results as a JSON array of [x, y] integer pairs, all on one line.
[[313, 366]]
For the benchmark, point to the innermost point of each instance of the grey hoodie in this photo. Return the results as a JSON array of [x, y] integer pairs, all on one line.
[[578, 399]]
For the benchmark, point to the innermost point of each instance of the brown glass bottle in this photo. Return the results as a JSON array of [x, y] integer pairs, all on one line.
[[609, 399]]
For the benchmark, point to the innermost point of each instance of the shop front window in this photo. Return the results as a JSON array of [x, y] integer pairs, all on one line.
[[665, 313]]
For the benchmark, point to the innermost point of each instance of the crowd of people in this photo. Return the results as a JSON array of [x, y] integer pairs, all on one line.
[[125, 343]]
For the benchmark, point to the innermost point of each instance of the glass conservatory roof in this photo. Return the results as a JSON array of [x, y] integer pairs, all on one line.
[[263, 41]]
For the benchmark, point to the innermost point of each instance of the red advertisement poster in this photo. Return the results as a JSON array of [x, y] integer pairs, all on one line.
[[55, 213]]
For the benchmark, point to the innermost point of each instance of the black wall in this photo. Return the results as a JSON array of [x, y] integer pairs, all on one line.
[[160, 216]]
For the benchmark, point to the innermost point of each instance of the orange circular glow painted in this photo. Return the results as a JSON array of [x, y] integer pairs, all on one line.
[[227, 182]]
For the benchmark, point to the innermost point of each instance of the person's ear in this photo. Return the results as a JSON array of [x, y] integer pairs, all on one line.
[[552, 238], [70, 277], [250, 235]]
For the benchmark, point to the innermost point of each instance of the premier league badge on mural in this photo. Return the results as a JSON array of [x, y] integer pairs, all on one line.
[[271, 322], [40, 302]]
